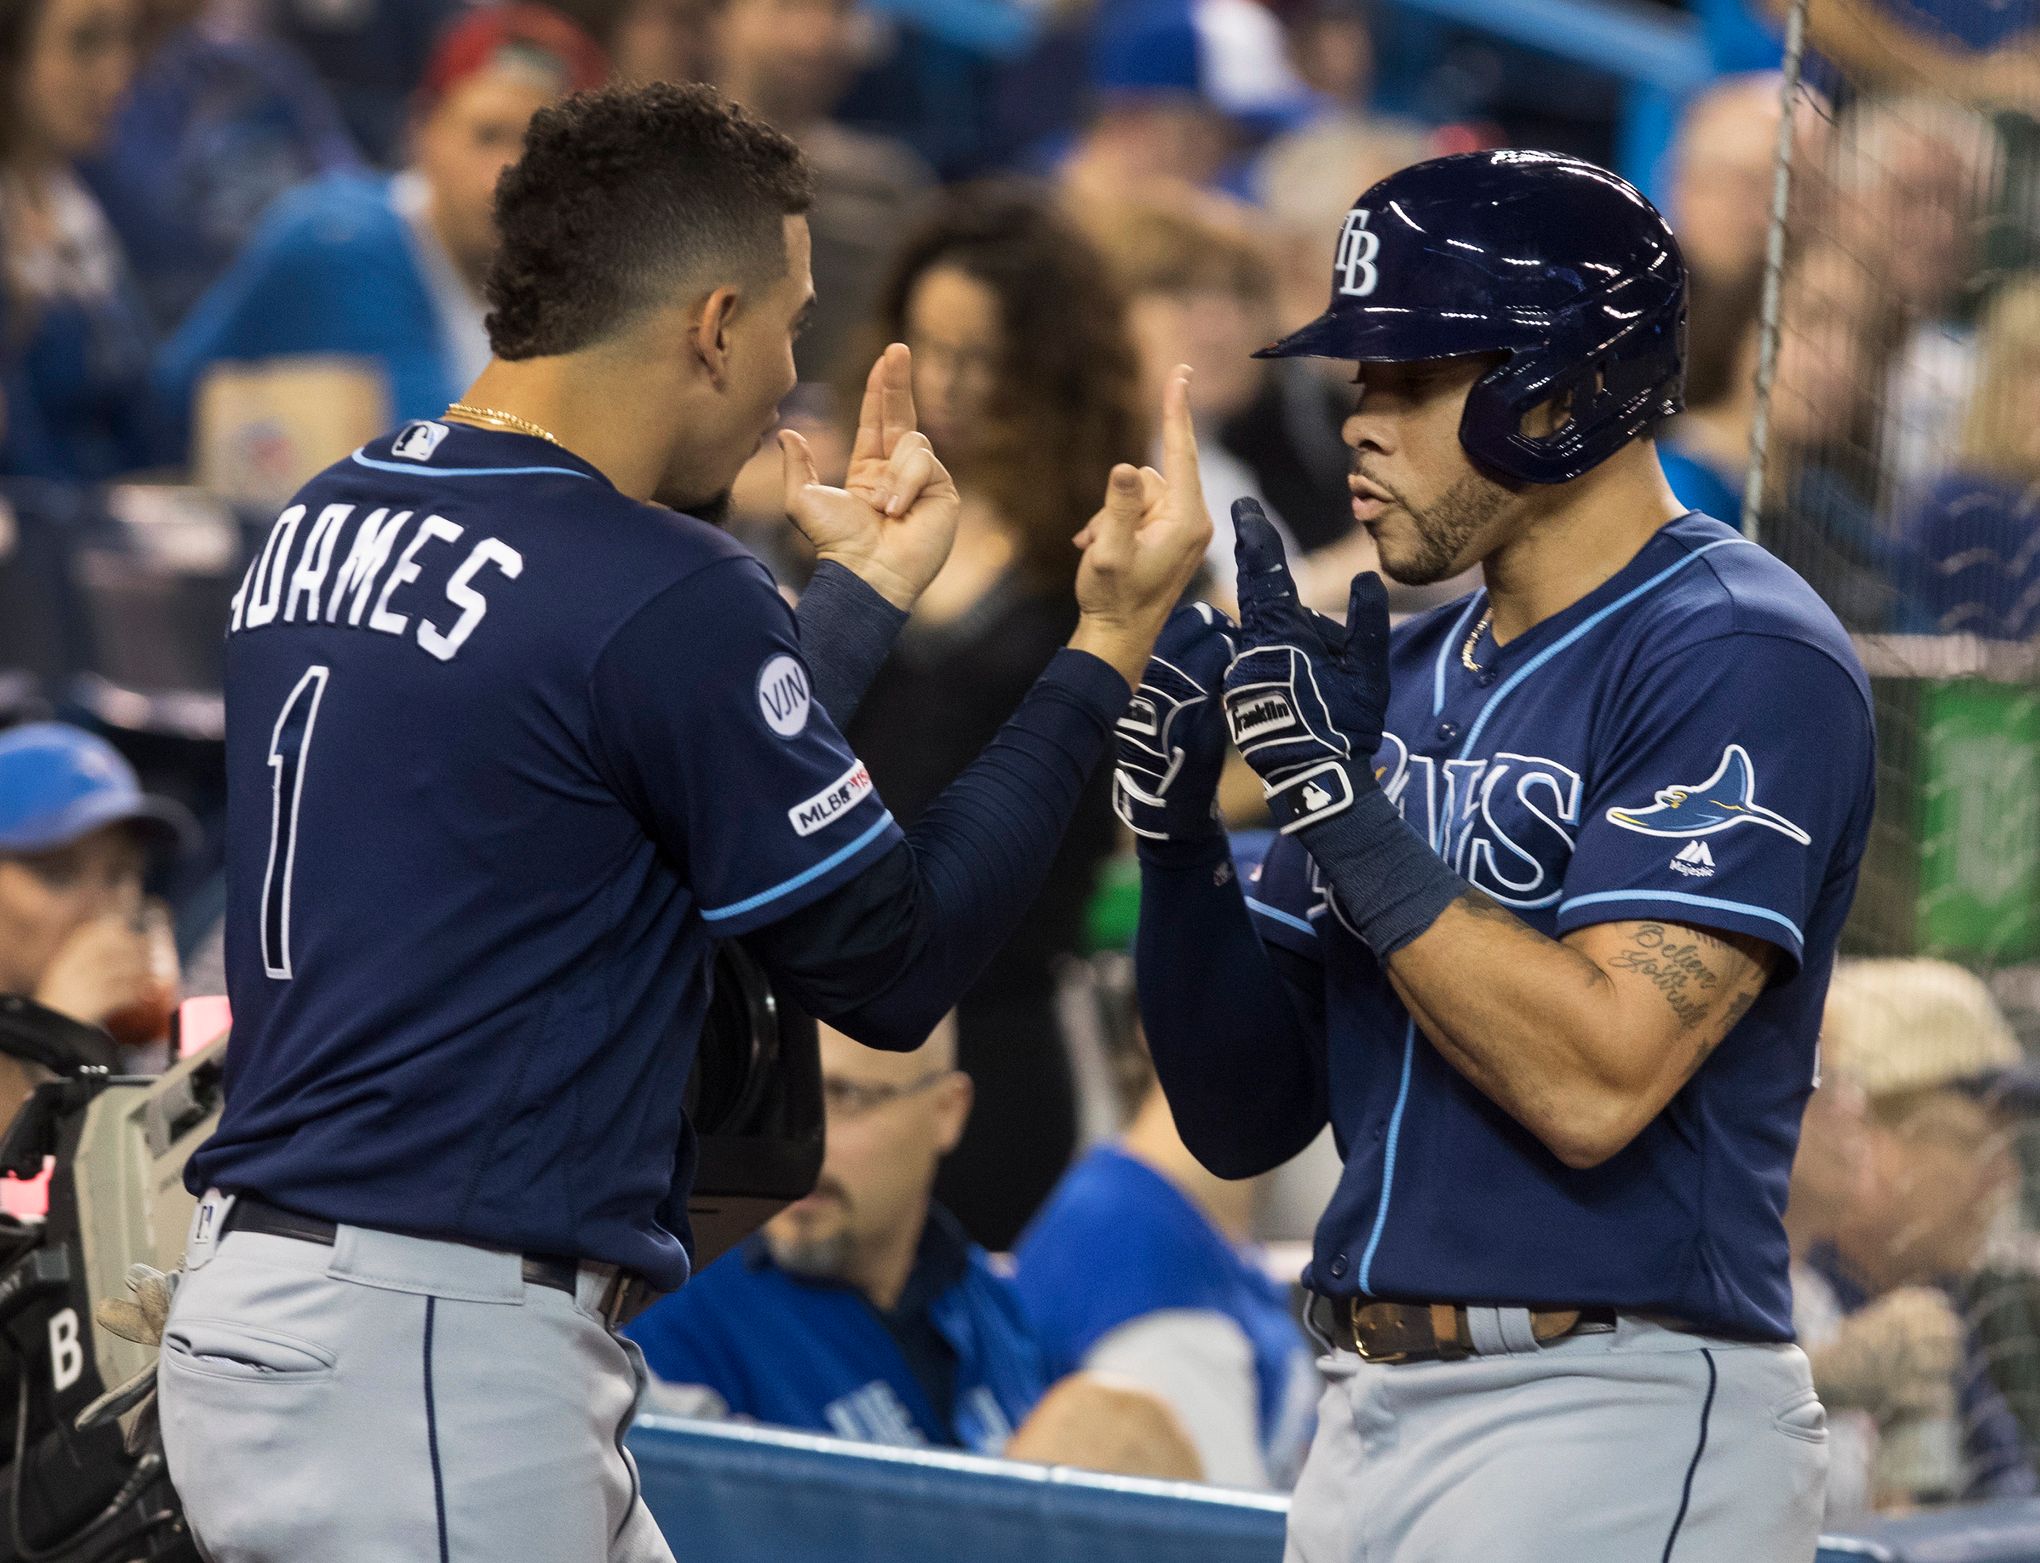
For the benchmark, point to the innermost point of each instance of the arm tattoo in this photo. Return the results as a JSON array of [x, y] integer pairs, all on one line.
[[1676, 964], [1475, 904]]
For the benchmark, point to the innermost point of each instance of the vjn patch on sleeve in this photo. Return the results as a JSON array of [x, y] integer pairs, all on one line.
[[783, 697], [832, 802]]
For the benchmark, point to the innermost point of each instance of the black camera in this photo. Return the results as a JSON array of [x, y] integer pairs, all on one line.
[[754, 1100], [116, 1196]]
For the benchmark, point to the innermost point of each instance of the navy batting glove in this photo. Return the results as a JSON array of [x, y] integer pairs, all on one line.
[[1306, 696], [1171, 742]]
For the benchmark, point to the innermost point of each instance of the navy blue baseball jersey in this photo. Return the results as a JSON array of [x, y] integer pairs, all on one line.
[[1690, 743], [506, 752]]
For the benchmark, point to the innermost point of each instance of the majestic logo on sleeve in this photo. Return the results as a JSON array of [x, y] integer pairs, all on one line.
[[1726, 799]]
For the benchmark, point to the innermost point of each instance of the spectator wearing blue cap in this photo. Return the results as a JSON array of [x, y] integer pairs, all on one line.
[[76, 831], [1180, 89]]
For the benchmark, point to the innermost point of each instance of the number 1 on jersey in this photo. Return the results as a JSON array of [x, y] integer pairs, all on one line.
[[289, 748]]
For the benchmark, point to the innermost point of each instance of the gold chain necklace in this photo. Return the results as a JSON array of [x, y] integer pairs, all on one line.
[[1466, 651], [506, 420]]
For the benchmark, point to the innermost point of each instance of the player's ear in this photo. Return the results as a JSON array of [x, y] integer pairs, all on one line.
[[711, 334], [954, 1097]]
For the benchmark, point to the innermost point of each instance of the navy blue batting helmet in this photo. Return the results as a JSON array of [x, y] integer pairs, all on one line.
[[1559, 265]]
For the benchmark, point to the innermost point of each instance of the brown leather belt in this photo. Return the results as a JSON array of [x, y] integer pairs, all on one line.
[[249, 1214], [1392, 1332]]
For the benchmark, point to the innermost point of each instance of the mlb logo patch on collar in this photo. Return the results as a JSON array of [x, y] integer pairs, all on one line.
[[419, 440]]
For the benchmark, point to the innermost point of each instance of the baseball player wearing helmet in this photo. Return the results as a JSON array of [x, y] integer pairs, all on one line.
[[1545, 931], [513, 738]]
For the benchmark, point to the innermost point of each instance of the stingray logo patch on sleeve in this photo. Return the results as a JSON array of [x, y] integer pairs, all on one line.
[[1726, 799]]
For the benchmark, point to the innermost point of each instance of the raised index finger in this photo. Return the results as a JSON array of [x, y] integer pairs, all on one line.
[[1179, 437], [897, 415], [870, 444]]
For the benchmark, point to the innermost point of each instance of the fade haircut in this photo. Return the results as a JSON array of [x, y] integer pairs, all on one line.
[[624, 196]]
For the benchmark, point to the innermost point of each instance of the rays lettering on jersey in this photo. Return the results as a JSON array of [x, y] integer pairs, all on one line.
[[1505, 823], [309, 579]]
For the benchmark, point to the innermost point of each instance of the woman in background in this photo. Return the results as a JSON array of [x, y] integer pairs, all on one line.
[[1200, 287], [74, 343], [1026, 379]]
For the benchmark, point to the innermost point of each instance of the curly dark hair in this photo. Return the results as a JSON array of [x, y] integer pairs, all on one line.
[[624, 195], [1068, 401]]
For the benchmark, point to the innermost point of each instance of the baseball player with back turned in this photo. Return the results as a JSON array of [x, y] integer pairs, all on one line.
[[514, 735], [1548, 923]]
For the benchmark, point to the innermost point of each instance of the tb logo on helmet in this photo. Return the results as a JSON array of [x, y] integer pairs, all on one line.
[[1355, 260]]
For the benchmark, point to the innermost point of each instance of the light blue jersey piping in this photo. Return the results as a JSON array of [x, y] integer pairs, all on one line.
[[806, 877], [1276, 914], [1509, 684], [419, 469], [1402, 1096], [1683, 898]]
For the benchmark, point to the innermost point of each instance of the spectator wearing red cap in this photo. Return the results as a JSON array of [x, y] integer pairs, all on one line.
[[388, 270]]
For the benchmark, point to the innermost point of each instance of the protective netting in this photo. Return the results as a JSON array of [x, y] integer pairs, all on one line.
[[1898, 469]]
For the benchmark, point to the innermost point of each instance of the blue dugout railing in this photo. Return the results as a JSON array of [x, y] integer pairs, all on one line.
[[755, 1495]]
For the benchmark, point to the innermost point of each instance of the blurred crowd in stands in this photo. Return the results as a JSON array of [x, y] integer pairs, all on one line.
[[239, 237]]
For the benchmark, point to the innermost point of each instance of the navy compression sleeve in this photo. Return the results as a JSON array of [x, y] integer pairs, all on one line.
[[1236, 1029], [888, 954], [846, 631]]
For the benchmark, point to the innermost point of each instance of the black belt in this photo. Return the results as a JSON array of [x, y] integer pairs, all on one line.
[[1394, 1332], [258, 1215]]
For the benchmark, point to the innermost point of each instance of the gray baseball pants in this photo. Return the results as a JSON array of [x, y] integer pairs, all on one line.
[[396, 1398], [1637, 1445]]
